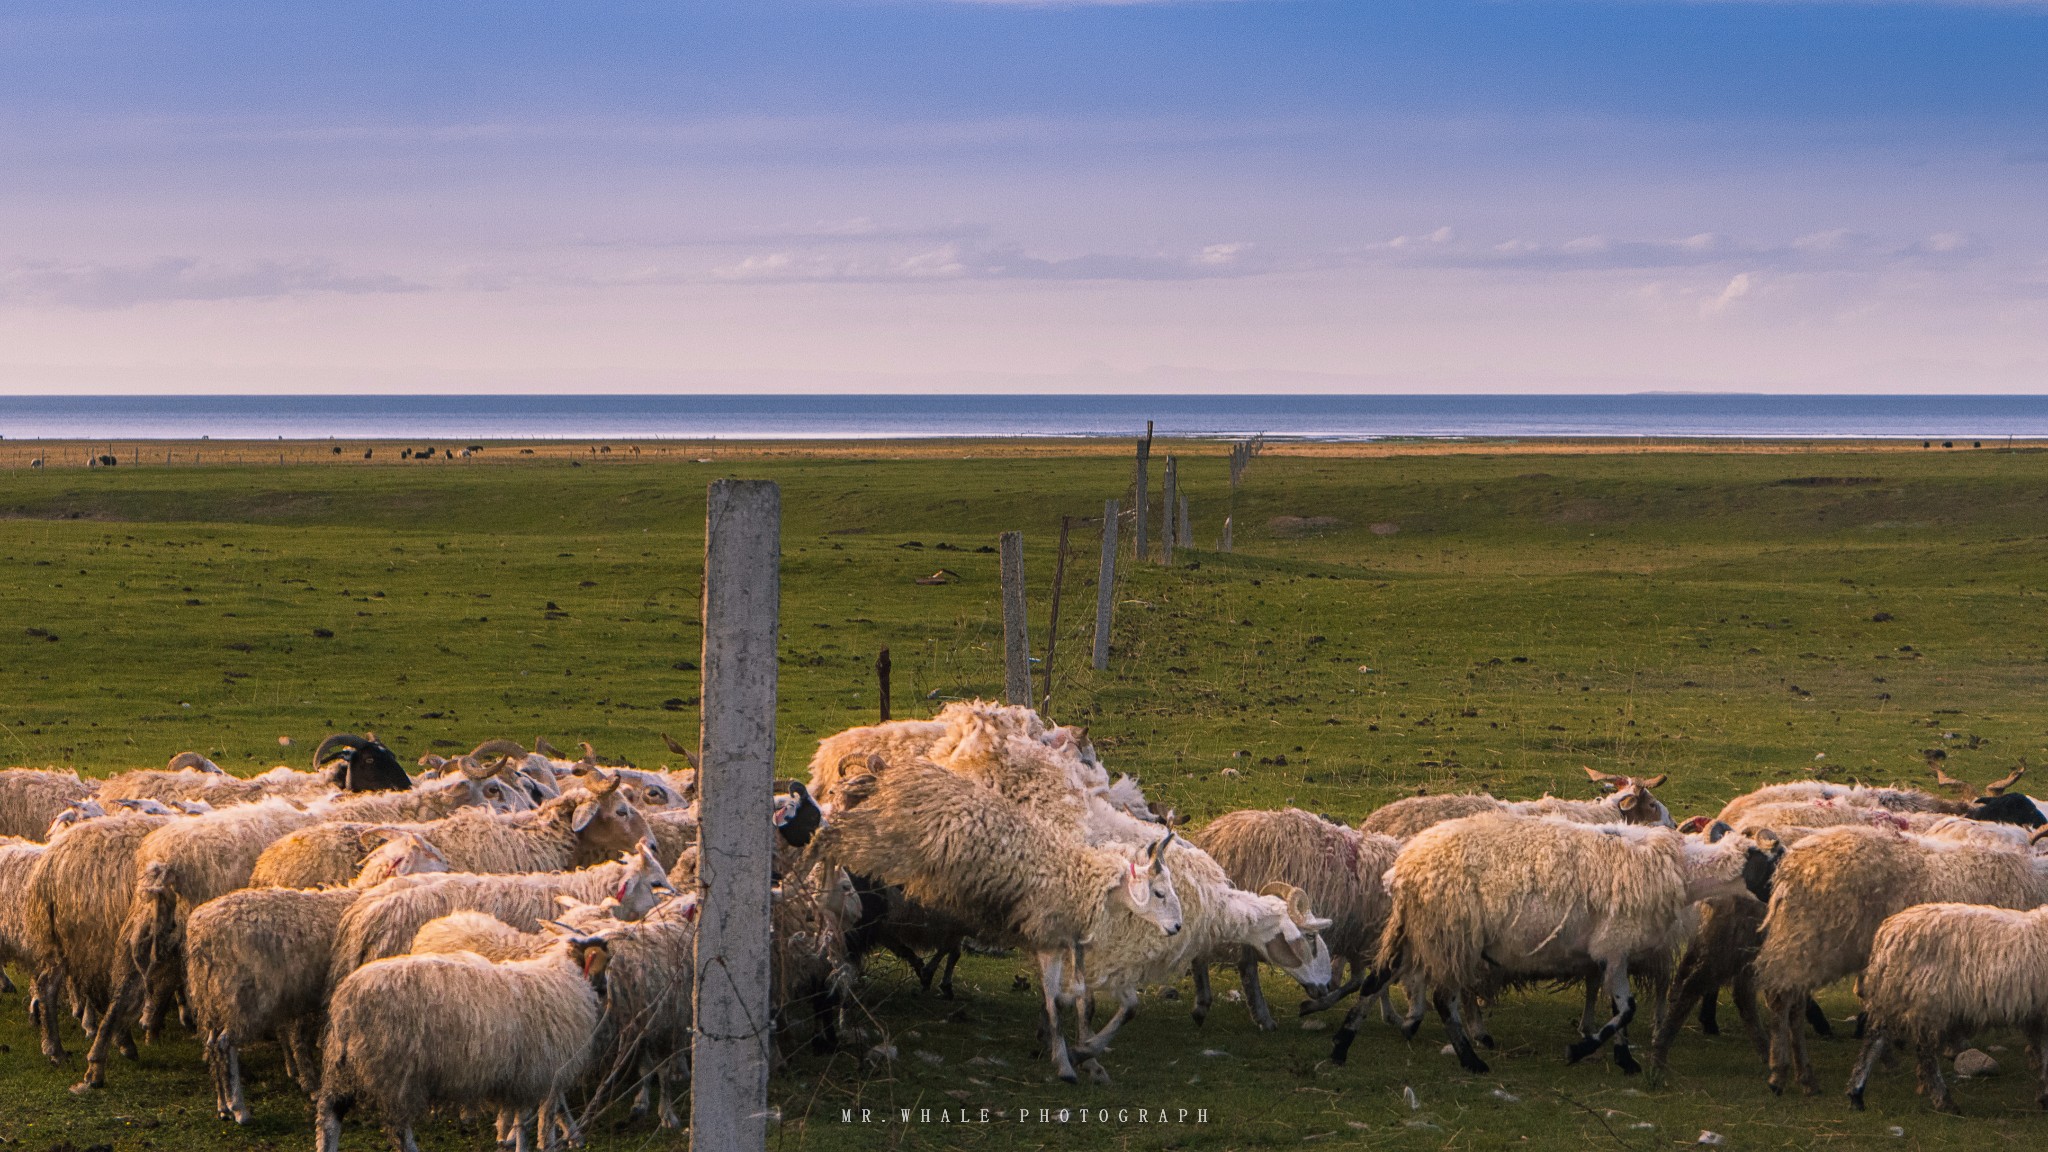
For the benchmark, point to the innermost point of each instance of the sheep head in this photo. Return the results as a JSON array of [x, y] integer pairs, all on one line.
[[396, 852], [193, 761], [1718, 862], [1289, 936], [642, 884], [605, 821], [1147, 887], [1631, 795]]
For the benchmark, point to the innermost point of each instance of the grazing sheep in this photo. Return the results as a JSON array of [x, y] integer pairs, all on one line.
[[77, 897], [571, 830], [31, 798], [1011, 874], [384, 921], [1486, 900], [1928, 986], [1836, 887], [411, 1033], [1338, 869], [257, 965], [1630, 802]]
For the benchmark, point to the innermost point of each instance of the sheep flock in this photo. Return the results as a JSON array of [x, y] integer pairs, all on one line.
[[510, 933]]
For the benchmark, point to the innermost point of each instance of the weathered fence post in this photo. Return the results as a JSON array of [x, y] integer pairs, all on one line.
[[1016, 635], [742, 604], [882, 681], [1167, 508], [1144, 455], [1105, 582], [1187, 528], [1052, 625]]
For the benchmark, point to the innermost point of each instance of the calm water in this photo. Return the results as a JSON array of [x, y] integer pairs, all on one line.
[[873, 417]]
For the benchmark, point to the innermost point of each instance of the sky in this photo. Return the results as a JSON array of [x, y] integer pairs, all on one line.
[[972, 195]]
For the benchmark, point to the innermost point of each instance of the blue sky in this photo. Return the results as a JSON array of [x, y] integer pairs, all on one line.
[[1298, 195]]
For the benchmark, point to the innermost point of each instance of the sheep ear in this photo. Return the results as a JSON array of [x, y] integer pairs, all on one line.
[[1284, 952], [1630, 800], [1768, 840], [1695, 824], [1596, 775], [585, 813], [1654, 782], [1718, 829], [1315, 924]]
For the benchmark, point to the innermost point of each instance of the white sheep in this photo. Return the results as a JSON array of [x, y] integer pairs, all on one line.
[[410, 1033], [1486, 900], [1940, 972]]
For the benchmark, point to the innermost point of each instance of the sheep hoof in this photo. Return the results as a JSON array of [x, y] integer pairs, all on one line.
[[1097, 1074], [1626, 1062], [1473, 1064], [1856, 1100], [1487, 1042], [1408, 1031], [1581, 1048]]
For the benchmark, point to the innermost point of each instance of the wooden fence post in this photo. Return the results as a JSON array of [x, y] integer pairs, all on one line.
[[1105, 582], [742, 604], [1167, 507], [1016, 634], [1052, 625], [1187, 528], [882, 681], [1142, 499]]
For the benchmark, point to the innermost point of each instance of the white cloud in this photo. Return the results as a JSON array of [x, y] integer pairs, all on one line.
[[1738, 287], [92, 284]]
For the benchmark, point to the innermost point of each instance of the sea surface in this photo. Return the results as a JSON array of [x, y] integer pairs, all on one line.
[[851, 417]]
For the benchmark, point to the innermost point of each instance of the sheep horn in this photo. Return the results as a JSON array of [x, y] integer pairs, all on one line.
[[1998, 788], [498, 748], [589, 753], [858, 759], [1656, 781], [673, 746], [475, 769], [2037, 834], [541, 745], [184, 760], [1597, 776], [430, 760], [344, 740], [607, 782]]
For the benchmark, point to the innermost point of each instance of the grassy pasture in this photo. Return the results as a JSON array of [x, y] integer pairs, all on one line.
[[1489, 619]]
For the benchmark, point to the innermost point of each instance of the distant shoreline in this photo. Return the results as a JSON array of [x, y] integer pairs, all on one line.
[[387, 452]]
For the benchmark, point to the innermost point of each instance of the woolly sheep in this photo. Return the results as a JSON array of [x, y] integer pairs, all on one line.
[[193, 777], [1857, 795], [77, 897], [31, 798], [409, 1033], [1630, 802], [1928, 986], [257, 965], [1836, 887], [384, 922], [1340, 871], [1478, 902], [17, 857], [1010, 873], [573, 829], [1274, 925]]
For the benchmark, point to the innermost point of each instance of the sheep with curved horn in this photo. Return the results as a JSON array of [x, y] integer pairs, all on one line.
[[193, 761], [367, 766]]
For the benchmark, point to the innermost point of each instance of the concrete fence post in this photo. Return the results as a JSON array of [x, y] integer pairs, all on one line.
[[742, 607], [1016, 632], [1105, 582]]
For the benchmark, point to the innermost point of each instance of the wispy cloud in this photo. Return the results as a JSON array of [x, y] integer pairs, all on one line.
[[963, 261], [92, 284]]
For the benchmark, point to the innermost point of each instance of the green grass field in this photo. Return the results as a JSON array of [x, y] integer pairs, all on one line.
[[1456, 622]]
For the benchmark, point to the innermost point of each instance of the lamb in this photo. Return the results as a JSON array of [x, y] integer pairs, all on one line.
[[1928, 986], [384, 921], [31, 798], [1630, 802], [413, 1032], [1834, 890], [571, 830], [1477, 902], [1004, 869], [1338, 869], [257, 965]]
